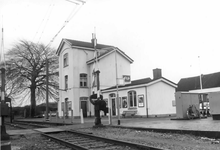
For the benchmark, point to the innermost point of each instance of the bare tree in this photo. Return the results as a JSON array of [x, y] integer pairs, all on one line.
[[26, 73]]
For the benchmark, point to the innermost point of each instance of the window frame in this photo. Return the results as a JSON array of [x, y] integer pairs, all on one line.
[[66, 82], [65, 60], [83, 80], [132, 102]]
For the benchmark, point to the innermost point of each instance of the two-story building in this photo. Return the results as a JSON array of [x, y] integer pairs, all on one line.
[[76, 63]]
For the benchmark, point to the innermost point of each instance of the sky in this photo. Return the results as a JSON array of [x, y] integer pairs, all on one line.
[[180, 37]]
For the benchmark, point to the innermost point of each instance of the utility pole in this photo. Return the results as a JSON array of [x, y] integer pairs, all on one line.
[[116, 70], [200, 81], [47, 88]]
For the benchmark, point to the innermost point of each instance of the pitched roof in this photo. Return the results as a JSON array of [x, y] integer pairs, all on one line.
[[103, 50], [80, 44], [109, 50], [141, 82], [193, 83], [86, 44]]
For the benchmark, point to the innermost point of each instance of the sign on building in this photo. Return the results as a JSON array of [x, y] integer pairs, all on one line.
[[126, 78]]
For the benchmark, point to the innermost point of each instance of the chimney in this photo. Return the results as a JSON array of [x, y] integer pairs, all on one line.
[[157, 73]]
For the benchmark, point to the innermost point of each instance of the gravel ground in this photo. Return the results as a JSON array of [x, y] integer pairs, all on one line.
[[32, 142], [161, 140]]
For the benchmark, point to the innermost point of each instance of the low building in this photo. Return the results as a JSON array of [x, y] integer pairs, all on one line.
[[210, 83], [148, 97]]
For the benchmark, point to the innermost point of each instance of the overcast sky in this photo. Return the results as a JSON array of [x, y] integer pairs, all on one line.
[[165, 34]]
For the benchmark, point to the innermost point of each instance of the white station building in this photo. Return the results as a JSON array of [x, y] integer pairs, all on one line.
[[150, 97]]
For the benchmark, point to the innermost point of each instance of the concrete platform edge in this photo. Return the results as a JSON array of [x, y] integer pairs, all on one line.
[[209, 134]]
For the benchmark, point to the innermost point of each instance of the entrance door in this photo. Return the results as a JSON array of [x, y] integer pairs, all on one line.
[[84, 108], [113, 107], [66, 108]]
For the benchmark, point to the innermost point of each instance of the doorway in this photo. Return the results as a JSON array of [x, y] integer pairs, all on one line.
[[84, 108], [113, 107], [66, 108]]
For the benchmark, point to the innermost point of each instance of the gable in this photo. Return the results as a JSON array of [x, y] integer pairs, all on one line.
[[110, 51]]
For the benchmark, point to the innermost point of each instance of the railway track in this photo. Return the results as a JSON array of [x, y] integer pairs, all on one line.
[[85, 141], [22, 125], [76, 140]]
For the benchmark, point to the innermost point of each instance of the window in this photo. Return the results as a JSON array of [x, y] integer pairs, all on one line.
[[66, 82], [65, 60], [132, 98], [83, 80]]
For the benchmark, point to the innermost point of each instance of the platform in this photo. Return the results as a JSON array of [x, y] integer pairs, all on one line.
[[206, 125]]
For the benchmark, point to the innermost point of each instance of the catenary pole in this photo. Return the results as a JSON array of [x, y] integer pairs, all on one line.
[[116, 71]]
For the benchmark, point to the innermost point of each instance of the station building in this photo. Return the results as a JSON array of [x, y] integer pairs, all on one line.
[[76, 63], [150, 97]]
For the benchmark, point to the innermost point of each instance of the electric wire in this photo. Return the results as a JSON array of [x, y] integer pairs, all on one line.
[[74, 12], [42, 21], [52, 6]]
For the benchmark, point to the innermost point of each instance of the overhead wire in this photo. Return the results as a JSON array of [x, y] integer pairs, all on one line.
[[52, 6], [42, 21], [72, 14]]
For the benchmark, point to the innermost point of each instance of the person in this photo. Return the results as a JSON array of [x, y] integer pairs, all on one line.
[[99, 104]]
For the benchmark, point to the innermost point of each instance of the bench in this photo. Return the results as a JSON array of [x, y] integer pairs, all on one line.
[[129, 113]]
